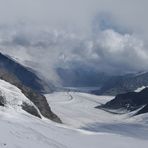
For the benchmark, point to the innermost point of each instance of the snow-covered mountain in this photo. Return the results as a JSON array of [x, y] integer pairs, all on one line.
[[12, 97], [106, 84], [25, 75], [77, 77], [129, 102], [28, 83], [25, 114], [122, 84]]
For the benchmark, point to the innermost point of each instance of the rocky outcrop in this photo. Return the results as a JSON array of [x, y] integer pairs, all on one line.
[[2, 101], [30, 109], [129, 101], [40, 101]]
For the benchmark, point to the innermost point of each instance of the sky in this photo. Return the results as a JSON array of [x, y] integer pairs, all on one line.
[[105, 35]]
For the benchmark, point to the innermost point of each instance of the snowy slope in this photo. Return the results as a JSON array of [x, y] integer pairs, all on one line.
[[13, 96], [21, 130]]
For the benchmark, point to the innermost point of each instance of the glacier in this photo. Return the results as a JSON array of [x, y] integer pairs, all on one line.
[[82, 128]]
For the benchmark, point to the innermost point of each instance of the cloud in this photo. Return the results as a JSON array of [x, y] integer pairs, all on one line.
[[74, 13], [106, 36], [110, 51]]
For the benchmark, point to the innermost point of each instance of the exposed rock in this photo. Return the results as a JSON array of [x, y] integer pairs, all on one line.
[[129, 101], [30, 109], [40, 101], [2, 101]]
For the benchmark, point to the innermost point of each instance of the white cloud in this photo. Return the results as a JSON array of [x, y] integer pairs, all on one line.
[[69, 33], [109, 51]]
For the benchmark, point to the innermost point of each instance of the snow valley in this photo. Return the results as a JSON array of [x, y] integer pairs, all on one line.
[[83, 126], [33, 116], [73, 74]]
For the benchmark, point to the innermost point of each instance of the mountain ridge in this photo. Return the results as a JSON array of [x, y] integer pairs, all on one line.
[[122, 84], [32, 93], [129, 101]]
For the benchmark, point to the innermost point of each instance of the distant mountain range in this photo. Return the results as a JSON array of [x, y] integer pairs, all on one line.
[[81, 77], [106, 84], [122, 84]]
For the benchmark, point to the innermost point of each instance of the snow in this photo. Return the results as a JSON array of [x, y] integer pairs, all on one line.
[[140, 88], [78, 109], [22, 130], [85, 126], [12, 95]]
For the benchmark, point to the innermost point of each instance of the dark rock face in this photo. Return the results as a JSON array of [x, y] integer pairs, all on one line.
[[129, 101], [41, 102], [24, 75], [122, 84], [143, 110], [2, 101], [28, 84], [30, 109]]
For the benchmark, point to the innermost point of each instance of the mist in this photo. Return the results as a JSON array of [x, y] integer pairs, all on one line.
[[106, 36]]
